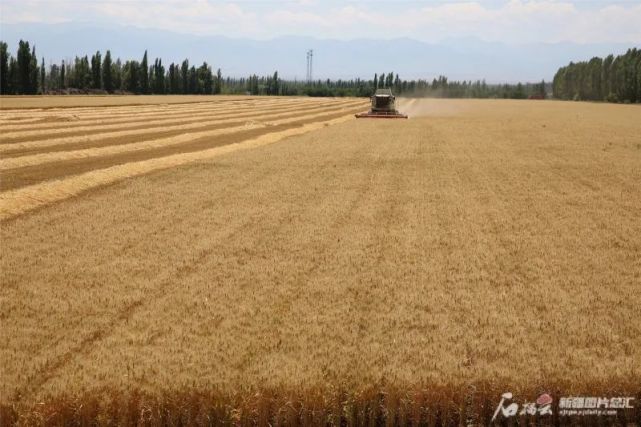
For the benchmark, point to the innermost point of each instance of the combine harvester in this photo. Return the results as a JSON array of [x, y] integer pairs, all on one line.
[[383, 107]]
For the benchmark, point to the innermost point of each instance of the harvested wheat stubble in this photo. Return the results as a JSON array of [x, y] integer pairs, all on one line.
[[91, 113], [16, 202], [37, 159], [101, 118], [71, 102], [21, 177], [105, 115], [26, 121], [166, 121], [156, 132], [122, 133], [98, 116]]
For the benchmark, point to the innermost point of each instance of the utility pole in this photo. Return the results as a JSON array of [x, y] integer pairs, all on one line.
[[310, 65]]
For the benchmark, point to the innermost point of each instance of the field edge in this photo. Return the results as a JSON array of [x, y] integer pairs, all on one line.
[[431, 405]]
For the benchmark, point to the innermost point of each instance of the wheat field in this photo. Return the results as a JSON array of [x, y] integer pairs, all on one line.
[[275, 260]]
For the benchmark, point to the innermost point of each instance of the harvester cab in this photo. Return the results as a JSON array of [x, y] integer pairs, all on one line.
[[383, 106]]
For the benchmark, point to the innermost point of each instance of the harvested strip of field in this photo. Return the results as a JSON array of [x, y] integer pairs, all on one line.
[[99, 112], [136, 123], [100, 116], [97, 136], [153, 133], [256, 123], [30, 175], [30, 103], [56, 159], [105, 117], [67, 117], [13, 203]]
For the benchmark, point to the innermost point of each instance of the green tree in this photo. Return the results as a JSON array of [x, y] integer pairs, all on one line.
[[43, 87], [14, 76], [596, 82], [81, 73], [34, 74], [116, 73], [144, 74], [62, 76], [275, 84], [397, 84], [174, 79], [638, 72], [519, 93], [606, 76], [629, 76], [24, 63], [4, 68], [53, 79], [96, 71], [184, 76], [131, 76], [541, 90], [193, 81], [159, 76], [205, 80], [107, 73], [252, 85], [218, 87]]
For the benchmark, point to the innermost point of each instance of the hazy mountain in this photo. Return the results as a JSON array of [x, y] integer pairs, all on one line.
[[456, 58]]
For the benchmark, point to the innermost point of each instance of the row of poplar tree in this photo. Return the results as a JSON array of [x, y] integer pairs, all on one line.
[[23, 75], [613, 79]]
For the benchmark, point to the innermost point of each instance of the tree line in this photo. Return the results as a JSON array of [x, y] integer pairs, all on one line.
[[23, 75], [102, 74], [612, 79], [19, 74]]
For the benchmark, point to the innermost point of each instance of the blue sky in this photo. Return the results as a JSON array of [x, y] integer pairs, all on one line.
[[512, 21]]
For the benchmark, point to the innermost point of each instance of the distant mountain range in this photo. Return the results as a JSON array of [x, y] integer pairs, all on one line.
[[458, 59]]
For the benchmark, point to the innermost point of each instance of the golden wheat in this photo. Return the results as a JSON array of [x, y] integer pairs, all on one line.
[[421, 266]]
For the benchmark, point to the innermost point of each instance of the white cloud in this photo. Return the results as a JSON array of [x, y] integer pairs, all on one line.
[[513, 21]]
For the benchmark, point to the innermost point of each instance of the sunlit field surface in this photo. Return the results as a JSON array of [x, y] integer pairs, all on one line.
[[267, 256]]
